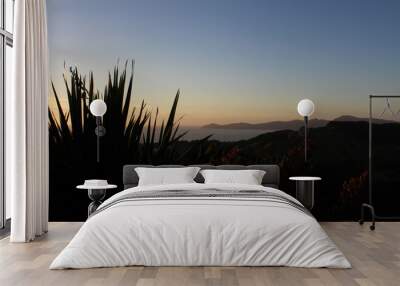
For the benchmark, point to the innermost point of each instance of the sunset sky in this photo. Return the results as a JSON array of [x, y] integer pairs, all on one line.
[[235, 61]]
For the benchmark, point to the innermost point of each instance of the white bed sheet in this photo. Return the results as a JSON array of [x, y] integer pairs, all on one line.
[[202, 232]]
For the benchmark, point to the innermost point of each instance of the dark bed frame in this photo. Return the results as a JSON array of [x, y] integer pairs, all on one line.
[[271, 178]]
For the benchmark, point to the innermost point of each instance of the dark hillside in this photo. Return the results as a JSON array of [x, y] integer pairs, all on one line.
[[338, 153]]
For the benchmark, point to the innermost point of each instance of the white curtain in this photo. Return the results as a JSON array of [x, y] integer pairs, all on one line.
[[26, 123]]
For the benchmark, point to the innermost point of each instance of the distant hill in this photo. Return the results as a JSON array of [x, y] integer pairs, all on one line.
[[291, 124], [350, 118], [273, 125]]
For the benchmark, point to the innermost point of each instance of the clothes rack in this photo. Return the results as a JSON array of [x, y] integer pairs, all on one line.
[[370, 205]]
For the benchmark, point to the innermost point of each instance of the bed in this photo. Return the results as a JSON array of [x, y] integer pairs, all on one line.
[[198, 224]]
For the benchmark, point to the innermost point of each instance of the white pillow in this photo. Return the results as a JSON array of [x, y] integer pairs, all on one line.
[[165, 176], [248, 177]]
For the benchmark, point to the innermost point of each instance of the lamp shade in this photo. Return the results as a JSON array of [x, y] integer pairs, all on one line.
[[98, 107], [305, 107]]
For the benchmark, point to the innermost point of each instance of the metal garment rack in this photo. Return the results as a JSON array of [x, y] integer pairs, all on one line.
[[369, 205]]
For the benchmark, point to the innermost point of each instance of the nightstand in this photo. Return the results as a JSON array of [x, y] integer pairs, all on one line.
[[305, 190], [96, 194]]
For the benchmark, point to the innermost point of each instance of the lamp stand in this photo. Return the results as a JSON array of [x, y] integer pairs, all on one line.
[[305, 137], [99, 131]]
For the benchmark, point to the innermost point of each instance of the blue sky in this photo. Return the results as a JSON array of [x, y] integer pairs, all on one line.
[[235, 60]]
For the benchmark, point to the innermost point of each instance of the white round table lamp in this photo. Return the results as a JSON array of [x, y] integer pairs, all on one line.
[[98, 107], [305, 108]]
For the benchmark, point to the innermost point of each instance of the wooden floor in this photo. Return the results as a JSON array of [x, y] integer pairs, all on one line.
[[375, 257]]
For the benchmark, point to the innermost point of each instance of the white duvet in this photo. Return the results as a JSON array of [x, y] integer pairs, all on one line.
[[193, 231]]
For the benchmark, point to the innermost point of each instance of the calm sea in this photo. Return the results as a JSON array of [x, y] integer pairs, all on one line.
[[195, 133]]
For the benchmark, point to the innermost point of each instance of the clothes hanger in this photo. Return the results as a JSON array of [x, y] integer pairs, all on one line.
[[388, 107]]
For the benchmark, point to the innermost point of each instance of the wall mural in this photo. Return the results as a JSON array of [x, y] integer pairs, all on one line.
[[199, 82]]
